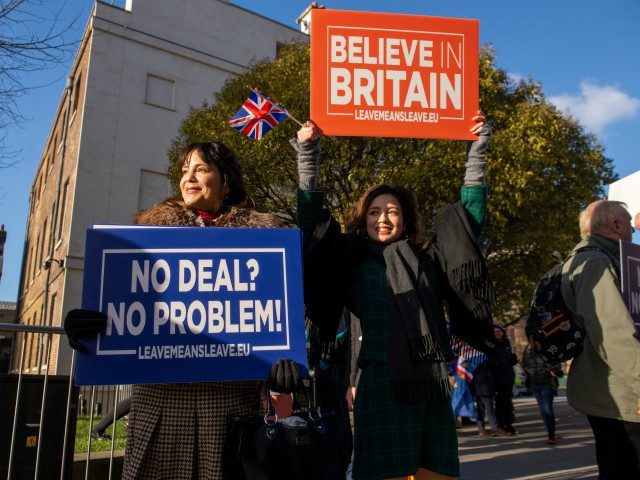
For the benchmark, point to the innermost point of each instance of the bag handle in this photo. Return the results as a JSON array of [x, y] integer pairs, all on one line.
[[271, 418]]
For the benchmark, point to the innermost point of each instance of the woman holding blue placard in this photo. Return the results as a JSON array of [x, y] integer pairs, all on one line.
[[175, 429], [404, 423], [178, 430]]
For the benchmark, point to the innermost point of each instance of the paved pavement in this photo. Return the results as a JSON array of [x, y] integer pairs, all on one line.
[[526, 456]]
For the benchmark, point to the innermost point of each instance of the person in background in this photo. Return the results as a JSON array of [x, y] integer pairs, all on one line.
[[542, 382], [604, 380], [404, 423], [483, 386], [504, 376]]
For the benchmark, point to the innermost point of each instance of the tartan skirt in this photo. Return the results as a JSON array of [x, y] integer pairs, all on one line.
[[394, 440]]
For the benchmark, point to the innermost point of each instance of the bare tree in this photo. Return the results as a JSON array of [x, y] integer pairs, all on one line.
[[34, 36]]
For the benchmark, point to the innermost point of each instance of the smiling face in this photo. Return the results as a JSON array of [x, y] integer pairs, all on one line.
[[385, 223], [202, 185]]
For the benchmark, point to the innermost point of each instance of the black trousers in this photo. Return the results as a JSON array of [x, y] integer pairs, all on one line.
[[331, 395], [504, 407], [617, 448]]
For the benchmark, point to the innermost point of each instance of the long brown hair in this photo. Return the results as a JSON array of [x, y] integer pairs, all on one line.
[[358, 212]]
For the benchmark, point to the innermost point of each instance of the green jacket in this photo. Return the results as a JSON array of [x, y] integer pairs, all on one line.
[[604, 380]]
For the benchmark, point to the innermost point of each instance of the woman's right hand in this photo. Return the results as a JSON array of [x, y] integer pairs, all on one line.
[[351, 397], [309, 132], [79, 324], [481, 121]]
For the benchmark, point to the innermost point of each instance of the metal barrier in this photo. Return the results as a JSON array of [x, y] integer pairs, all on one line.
[[26, 406]]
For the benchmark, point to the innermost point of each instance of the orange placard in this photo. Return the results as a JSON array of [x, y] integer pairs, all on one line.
[[391, 75]]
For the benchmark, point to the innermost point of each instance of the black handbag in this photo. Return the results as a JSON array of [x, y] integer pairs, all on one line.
[[307, 445]]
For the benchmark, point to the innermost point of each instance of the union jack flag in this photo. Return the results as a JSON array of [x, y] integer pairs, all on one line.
[[257, 116], [468, 359]]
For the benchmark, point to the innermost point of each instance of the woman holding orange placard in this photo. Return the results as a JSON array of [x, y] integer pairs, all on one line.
[[404, 423]]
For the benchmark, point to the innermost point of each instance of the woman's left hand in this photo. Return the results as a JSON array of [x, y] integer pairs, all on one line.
[[309, 132]]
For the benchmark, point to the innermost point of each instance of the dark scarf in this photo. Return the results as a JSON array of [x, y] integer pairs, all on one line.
[[417, 362], [472, 299]]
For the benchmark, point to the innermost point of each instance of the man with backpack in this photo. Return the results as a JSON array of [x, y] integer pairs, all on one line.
[[604, 380]]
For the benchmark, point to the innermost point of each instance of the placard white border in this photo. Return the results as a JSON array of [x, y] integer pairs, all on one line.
[[116, 251]]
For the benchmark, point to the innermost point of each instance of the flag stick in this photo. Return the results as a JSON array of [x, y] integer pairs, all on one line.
[[294, 118], [272, 102]]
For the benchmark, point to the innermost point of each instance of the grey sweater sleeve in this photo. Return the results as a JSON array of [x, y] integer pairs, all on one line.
[[477, 158], [308, 160]]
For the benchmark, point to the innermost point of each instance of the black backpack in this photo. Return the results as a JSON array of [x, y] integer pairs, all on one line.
[[556, 335]]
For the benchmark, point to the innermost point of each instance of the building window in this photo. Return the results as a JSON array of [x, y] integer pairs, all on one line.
[[36, 189], [29, 340], [154, 187], [62, 206], [29, 272], [122, 4], [46, 338], [76, 93], [34, 261], [159, 91], [279, 47], [52, 310], [43, 236], [42, 181], [38, 256], [54, 150]]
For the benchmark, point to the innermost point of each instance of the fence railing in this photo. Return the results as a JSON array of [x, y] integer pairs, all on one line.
[[42, 408]]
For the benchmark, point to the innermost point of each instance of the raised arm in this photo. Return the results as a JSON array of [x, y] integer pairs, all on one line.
[[309, 200], [477, 152], [473, 195], [307, 145], [321, 236]]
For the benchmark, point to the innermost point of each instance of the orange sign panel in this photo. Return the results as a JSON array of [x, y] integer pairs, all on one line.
[[391, 75]]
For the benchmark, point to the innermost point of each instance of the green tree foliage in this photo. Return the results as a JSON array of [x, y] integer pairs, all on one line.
[[543, 167]]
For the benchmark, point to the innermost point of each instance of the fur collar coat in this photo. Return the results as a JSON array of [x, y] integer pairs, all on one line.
[[174, 212]]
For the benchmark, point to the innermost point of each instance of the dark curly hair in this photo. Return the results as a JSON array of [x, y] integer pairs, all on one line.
[[223, 158]]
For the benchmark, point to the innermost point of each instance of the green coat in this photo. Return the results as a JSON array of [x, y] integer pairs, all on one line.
[[604, 380]]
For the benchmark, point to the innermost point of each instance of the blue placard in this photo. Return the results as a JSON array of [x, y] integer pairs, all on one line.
[[191, 304], [630, 272]]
